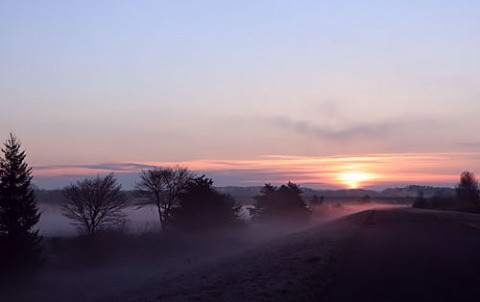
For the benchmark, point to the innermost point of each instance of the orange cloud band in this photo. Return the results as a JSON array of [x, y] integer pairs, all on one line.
[[345, 171]]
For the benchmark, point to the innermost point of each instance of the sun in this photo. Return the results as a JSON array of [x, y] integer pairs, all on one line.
[[353, 180]]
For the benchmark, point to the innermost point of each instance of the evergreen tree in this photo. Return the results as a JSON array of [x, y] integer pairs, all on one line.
[[201, 207], [284, 204], [19, 241]]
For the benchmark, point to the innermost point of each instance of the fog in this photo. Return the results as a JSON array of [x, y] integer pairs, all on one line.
[[118, 264], [145, 219], [139, 220]]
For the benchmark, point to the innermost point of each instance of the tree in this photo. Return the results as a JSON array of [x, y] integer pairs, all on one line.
[[20, 243], [94, 203], [467, 192], [317, 204], [317, 201], [284, 203], [161, 187], [420, 201], [201, 207], [364, 199]]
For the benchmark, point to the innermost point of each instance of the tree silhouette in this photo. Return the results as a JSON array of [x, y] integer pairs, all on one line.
[[94, 203], [161, 187], [364, 199], [284, 203], [467, 192], [201, 207], [420, 201], [317, 201], [19, 241]]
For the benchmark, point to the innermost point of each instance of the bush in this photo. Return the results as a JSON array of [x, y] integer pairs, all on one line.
[[284, 203], [201, 207]]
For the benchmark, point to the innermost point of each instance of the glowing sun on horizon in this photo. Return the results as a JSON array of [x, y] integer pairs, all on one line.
[[354, 180]]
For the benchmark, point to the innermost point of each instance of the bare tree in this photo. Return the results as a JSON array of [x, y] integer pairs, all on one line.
[[468, 192], [94, 203], [161, 187]]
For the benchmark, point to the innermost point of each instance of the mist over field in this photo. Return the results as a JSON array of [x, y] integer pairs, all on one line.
[[118, 265], [145, 219]]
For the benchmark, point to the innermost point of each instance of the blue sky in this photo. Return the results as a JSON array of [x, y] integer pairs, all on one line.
[[147, 81]]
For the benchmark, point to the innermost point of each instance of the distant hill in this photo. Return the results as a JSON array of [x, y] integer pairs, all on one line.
[[414, 190], [245, 195]]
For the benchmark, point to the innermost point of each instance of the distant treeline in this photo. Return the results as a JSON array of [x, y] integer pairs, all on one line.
[[465, 197], [246, 195]]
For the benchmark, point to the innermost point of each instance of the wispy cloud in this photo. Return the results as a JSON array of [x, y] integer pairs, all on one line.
[[104, 166], [376, 130]]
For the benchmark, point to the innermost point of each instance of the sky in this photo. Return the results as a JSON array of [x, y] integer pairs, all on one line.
[[325, 93]]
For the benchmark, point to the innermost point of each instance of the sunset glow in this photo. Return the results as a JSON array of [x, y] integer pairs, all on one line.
[[355, 171], [354, 180], [325, 94]]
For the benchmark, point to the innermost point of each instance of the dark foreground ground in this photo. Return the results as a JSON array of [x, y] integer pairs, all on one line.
[[376, 255], [408, 255]]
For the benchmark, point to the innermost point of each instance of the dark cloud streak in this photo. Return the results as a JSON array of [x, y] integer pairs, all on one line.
[[106, 166], [378, 131]]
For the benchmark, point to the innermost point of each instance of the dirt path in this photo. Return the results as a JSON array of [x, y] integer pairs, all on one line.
[[403, 255]]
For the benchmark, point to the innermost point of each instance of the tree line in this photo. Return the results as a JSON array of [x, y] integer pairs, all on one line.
[[466, 198], [184, 201]]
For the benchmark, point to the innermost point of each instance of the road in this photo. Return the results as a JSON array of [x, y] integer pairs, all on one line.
[[408, 255]]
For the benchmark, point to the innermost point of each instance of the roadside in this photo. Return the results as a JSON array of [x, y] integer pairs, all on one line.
[[410, 255], [293, 268]]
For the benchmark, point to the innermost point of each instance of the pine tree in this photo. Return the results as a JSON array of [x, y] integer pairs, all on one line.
[[19, 242]]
